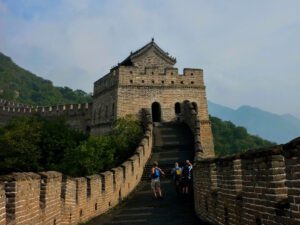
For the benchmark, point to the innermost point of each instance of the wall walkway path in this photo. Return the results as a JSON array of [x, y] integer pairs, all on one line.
[[172, 143]]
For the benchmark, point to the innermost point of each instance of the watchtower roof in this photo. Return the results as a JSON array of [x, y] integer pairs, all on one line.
[[165, 55]]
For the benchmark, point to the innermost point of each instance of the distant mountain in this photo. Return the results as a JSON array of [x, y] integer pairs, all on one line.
[[231, 139], [20, 85], [273, 127]]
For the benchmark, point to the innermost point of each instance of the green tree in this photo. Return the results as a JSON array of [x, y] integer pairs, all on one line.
[[36, 144], [19, 145], [92, 156], [127, 132], [231, 139], [57, 137]]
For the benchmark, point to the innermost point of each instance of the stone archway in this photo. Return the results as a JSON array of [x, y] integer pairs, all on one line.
[[177, 108], [156, 112]]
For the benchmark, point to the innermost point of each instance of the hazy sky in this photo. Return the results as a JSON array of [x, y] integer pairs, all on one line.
[[249, 50]]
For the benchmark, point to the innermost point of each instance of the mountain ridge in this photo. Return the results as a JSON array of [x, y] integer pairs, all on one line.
[[268, 125], [20, 85]]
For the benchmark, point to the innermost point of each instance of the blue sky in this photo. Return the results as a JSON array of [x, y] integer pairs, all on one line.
[[249, 50]]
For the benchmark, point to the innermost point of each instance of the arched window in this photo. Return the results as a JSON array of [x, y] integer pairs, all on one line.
[[177, 108], [156, 112]]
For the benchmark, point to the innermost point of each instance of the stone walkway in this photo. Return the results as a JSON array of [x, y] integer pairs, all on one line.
[[142, 209], [172, 142]]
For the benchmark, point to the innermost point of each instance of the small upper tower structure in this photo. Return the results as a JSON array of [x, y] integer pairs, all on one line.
[[148, 79], [149, 56]]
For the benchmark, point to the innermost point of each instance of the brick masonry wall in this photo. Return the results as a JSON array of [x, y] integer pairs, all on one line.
[[52, 198], [2, 204], [77, 115], [256, 187], [198, 121], [139, 90], [152, 59]]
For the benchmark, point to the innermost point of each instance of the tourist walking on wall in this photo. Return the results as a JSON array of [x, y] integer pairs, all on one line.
[[156, 173], [176, 175], [186, 177]]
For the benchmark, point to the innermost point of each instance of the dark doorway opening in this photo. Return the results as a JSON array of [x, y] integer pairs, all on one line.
[[177, 108], [156, 112]]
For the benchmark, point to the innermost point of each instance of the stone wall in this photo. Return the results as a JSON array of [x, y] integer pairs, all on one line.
[[139, 90], [77, 115], [257, 187], [198, 121], [152, 59], [104, 104], [51, 198]]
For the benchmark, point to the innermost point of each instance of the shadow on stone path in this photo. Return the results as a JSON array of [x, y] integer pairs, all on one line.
[[142, 209], [172, 143]]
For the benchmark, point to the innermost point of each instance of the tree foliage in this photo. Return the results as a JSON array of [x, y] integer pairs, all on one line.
[[101, 153], [231, 139], [18, 84], [38, 144]]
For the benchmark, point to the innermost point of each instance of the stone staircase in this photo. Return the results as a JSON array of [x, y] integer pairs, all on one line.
[[172, 143]]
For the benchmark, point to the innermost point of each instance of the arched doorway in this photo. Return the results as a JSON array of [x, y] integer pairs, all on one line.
[[177, 108], [156, 112]]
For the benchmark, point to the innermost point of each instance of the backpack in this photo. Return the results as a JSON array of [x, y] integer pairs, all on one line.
[[186, 172], [177, 173], [156, 173]]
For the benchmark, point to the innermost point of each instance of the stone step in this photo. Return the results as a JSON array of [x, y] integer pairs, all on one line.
[[172, 142]]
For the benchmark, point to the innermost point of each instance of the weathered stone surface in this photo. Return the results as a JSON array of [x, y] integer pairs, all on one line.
[[255, 186]]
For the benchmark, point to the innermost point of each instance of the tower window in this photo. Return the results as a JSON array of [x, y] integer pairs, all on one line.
[[177, 108]]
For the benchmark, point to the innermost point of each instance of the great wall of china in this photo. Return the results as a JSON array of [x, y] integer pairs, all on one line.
[[77, 115], [258, 187], [51, 198]]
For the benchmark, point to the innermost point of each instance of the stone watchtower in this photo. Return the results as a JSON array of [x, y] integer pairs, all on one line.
[[147, 78]]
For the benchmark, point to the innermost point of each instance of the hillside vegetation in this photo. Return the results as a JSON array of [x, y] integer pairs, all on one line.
[[20, 85], [271, 126], [231, 139], [38, 144]]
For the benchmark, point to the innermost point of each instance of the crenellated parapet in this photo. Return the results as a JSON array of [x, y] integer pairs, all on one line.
[[153, 77], [45, 110], [256, 187], [52, 198], [4, 102], [78, 115]]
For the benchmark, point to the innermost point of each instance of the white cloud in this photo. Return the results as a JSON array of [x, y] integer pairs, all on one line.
[[248, 50]]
